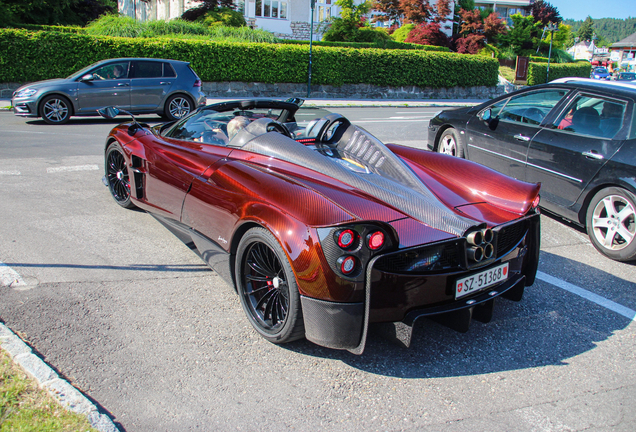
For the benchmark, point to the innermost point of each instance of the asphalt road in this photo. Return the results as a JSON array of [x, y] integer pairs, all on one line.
[[133, 318]]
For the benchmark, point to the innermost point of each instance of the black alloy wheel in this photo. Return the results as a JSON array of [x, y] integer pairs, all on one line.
[[117, 176], [267, 287]]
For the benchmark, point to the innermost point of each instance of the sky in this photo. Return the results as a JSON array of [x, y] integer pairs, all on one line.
[[580, 9]]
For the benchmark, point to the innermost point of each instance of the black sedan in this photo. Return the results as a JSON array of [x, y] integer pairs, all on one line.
[[576, 136]]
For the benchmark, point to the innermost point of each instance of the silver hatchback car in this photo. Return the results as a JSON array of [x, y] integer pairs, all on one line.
[[169, 88]]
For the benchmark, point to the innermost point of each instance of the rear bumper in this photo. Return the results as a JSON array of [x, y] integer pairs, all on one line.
[[404, 298]]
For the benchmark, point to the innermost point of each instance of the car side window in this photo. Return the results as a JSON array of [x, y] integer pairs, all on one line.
[[111, 71], [591, 115], [168, 71], [148, 69], [532, 107]]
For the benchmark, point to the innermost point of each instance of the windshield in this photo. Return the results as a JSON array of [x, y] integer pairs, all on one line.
[[600, 70], [82, 72]]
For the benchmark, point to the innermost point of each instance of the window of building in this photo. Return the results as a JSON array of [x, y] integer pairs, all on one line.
[[271, 9], [323, 8]]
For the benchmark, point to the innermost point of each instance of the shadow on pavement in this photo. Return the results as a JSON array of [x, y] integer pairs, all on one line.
[[548, 327]]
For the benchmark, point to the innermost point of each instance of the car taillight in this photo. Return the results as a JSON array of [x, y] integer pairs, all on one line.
[[536, 201], [346, 238], [197, 83], [375, 240], [347, 264]]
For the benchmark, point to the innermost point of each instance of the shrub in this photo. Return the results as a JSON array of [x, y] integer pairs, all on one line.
[[223, 17], [402, 33], [428, 34], [537, 71], [31, 56], [382, 44]]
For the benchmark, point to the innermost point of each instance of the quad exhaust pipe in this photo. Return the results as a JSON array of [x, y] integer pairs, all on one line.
[[481, 244]]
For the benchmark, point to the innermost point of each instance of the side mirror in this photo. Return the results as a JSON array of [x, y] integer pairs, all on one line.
[[486, 115], [109, 112], [87, 77]]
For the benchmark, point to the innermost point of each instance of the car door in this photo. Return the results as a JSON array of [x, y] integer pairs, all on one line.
[[499, 135], [108, 85], [174, 160], [566, 156], [151, 82]]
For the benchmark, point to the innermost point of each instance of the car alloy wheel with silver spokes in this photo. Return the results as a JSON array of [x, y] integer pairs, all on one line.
[[611, 223], [178, 107], [449, 143], [55, 110]]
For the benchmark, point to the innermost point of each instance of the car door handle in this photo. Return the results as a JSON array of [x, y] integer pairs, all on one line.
[[123, 85], [592, 154], [165, 83], [522, 138]]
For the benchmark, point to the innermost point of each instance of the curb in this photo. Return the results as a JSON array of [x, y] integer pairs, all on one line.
[[67, 395]]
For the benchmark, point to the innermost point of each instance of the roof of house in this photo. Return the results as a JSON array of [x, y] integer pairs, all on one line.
[[628, 42]]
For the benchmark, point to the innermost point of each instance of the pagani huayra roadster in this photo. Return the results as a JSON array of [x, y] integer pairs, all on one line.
[[322, 229]]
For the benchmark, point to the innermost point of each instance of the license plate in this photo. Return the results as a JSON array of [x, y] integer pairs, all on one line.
[[481, 280]]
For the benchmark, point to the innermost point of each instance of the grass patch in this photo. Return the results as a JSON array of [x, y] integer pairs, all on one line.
[[120, 26], [507, 72], [26, 407]]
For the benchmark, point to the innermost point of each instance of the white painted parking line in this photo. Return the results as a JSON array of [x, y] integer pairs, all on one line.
[[72, 168], [387, 121], [10, 173], [9, 277], [601, 301]]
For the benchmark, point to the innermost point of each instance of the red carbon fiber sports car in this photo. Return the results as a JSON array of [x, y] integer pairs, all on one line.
[[322, 229]]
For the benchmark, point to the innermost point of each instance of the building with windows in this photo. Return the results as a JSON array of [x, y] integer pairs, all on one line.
[[624, 53], [505, 8], [287, 19]]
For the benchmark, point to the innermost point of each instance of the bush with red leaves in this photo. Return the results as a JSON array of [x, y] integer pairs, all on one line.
[[428, 34]]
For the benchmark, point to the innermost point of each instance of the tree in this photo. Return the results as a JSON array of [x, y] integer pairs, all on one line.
[[54, 12], [206, 6], [494, 27], [544, 12], [586, 31], [391, 9], [428, 34]]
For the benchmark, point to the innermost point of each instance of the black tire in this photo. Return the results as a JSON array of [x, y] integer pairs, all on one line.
[[611, 223], [117, 177], [267, 288], [55, 109], [449, 144], [177, 107]]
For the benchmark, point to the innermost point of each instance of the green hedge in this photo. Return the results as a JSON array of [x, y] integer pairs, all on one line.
[[537, 71], [63, 29], [385, 44], [31, 56]]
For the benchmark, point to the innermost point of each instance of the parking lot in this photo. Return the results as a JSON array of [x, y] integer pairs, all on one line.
[[135, 320]]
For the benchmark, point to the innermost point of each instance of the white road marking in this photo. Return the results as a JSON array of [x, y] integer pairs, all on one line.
[[387, 121], [72, 168], [11, 173], [601, 301], [9, 277], [42, 133]]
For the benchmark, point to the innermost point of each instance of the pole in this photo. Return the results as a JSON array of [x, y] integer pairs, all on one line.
[[552, 28], [311, 39]]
